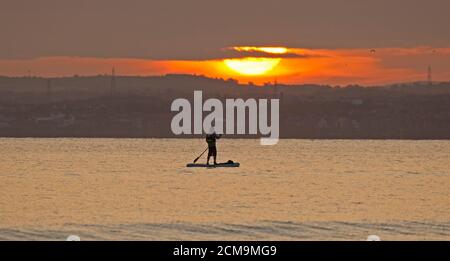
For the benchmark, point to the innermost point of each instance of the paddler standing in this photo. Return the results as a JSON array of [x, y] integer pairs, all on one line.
[[212, 149]]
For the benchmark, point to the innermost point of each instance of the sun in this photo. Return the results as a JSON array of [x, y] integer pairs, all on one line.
[[252, 66], [273, 50]]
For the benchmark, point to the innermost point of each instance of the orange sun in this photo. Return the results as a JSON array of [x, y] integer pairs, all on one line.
[[254, 66]]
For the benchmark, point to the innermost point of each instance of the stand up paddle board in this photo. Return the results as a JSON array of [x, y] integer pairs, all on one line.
[[220, 165]]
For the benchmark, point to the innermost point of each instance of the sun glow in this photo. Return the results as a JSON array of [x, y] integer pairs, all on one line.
[[272, 50], [255, 66], [252, 66], [260, 65]]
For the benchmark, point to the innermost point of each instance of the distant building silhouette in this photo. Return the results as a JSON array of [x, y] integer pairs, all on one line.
[[275, 88]]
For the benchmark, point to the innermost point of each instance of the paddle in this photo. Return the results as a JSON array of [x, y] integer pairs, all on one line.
[[200, 155]]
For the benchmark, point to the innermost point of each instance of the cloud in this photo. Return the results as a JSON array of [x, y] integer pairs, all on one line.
[[236, 53]]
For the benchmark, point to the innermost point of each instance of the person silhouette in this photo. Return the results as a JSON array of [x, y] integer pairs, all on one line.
[[211, 138]]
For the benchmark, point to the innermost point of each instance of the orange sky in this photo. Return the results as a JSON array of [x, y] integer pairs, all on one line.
[[322, 66]]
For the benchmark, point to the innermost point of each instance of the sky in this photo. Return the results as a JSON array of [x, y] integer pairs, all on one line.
[[326, 41]]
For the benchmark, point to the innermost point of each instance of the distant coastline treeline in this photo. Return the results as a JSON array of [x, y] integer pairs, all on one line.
[[125, 106]]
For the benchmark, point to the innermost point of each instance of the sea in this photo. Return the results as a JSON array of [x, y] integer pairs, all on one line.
[[141, 189]]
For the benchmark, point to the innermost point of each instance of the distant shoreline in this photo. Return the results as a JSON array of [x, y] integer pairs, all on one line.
[[141, 108], [201, 137]]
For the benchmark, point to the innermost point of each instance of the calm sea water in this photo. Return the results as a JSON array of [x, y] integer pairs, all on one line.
[[133, 189]]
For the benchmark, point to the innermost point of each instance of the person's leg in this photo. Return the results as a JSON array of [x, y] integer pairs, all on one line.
[[215, 155], [209, 155]]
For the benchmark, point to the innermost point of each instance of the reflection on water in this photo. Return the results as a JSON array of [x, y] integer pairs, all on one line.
[[298, 189]]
